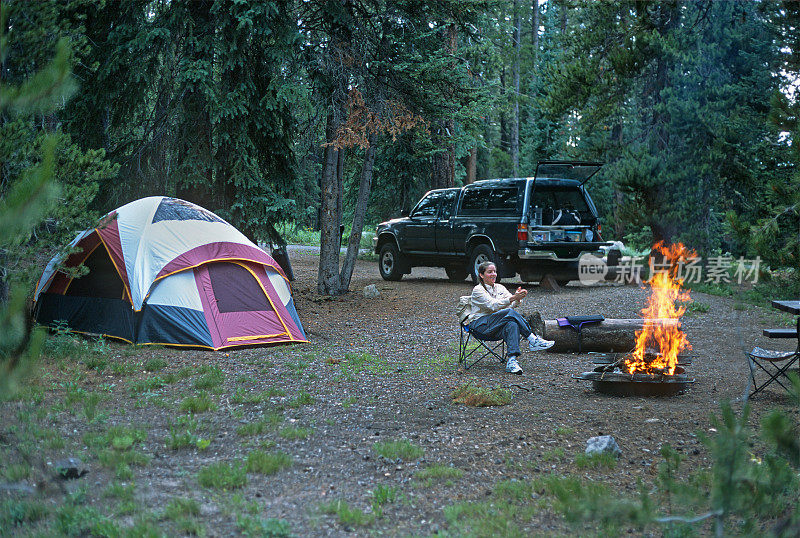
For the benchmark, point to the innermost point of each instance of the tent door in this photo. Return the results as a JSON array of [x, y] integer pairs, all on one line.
[[240, 308]]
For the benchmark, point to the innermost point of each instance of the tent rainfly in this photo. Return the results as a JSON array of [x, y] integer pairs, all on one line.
[[166, 271]]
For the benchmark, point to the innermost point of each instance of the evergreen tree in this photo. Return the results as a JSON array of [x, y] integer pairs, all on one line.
[[674, 95], [26, 197]]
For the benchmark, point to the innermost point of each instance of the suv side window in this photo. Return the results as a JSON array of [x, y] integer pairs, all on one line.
[[428, 206], [448, 201], [500, 201]]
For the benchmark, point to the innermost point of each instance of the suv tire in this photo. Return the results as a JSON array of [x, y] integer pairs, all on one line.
[[456, 273], [390, 263], [481, 253]]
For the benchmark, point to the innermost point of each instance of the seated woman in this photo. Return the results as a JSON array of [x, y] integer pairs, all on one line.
[[492, 316]]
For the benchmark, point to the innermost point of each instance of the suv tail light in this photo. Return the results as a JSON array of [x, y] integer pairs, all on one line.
[[522, 232]]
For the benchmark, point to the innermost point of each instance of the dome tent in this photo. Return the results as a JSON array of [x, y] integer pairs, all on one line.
[[166, 271]]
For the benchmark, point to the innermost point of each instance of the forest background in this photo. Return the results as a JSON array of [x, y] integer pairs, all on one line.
[[318, 113]]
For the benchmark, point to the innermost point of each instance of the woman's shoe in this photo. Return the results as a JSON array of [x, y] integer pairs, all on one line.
[[512, 367]]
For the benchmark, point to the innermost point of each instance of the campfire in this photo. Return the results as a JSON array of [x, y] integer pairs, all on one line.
[[658, 345], [656, 365]]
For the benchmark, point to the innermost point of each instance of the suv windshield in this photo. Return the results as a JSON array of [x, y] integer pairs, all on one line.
[[552, 198]]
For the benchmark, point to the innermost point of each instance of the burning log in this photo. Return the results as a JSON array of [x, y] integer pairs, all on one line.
[[608, 335]]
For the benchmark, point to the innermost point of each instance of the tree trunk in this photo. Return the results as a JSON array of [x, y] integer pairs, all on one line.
[[359, 213], [328, 276], [535, 40], [472, 165], [610, 335], [515, 111]]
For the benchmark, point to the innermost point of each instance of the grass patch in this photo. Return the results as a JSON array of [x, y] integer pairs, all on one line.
[[513, 490], [355, 364], [149, 384], [242, 396], [293, 433], [198, 404], [15, 512], [223, 476], [303, 398], [472, 395], [72, 520], [438, 473], [351, 517], [268, 423], [563, 430], [16, 472], [121, 492], [589, 501], [211, 378], [399, 449], [180, 507], [557, 454], [490, 518], [183, 436], [597, 460], [154, 365], [90, 403], [116, 448], [266, 527], [259, 461], [382, 495]]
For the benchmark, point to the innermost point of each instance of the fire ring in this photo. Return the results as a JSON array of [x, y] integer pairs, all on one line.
[[617, 383]]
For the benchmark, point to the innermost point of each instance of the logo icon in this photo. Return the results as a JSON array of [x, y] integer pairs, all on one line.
[[591, 270]]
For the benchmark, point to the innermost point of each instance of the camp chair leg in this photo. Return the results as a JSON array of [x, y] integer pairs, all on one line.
[[777, 375], [484, 349]]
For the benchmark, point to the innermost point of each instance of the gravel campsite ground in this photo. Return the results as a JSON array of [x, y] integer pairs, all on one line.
[[356, 432]]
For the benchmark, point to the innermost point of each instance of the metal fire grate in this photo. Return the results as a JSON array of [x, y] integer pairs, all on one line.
[[610, 379]]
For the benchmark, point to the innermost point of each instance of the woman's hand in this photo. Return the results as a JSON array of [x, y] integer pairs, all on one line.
[[519, 294]]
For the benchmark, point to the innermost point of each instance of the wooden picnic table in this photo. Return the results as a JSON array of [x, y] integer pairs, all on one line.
[[793, 307]]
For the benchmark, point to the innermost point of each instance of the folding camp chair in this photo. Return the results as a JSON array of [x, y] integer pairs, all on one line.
[[483, 349], [776, 364]]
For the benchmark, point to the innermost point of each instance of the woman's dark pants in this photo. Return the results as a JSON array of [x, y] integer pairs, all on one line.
[[506, 324]]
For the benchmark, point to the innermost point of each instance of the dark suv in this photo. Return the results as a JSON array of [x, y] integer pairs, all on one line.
[[528, 226]]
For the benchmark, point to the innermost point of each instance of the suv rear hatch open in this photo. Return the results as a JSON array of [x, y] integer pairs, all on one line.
[[560, 218]]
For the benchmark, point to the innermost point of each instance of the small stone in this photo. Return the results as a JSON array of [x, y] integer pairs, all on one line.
[[601, 444], [371, 291], [70, 468]]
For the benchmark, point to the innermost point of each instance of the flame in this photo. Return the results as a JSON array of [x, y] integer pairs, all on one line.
[[658, 344]]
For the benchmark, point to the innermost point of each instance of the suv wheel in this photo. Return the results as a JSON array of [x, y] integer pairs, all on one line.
[[456, 274], [390, 263], [480, 254]]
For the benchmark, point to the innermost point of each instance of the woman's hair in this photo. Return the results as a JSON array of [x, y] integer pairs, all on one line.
[[482, 269]]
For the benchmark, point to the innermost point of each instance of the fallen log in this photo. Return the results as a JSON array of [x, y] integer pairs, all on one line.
[[615, 335]]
